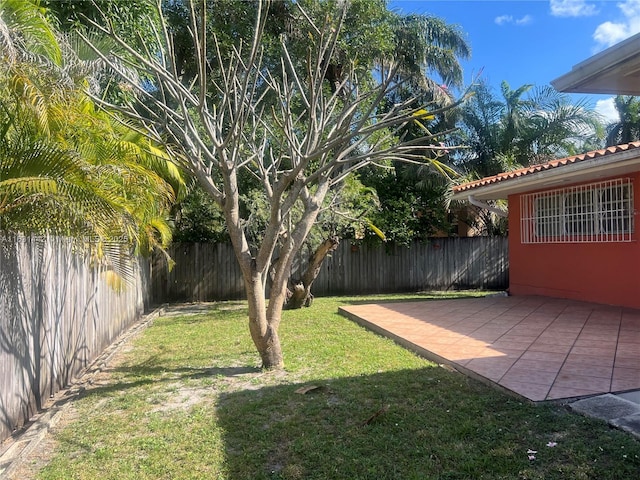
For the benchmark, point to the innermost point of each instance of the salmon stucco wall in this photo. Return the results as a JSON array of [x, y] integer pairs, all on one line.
[[606, 273]]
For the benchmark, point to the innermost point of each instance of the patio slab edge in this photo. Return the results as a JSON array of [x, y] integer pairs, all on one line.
[[423, 352]]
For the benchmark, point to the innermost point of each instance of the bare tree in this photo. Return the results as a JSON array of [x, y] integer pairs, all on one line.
[[282, 124]]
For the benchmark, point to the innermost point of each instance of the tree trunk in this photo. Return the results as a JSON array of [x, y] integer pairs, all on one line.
[[299, 292], [264, 331]]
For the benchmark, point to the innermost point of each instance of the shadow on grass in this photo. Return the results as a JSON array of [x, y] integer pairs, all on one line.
[[417, 297], [419, 423], [410, 424], [142, 375], [187, 309], [423, 423]]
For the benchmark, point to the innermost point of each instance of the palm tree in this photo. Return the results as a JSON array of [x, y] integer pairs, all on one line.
[[425, 46], [65, 166], [514, 113], [25, 32], [427, 53], [556, 127], [482, 128], [526, 126], [628, 128], [70, 169]]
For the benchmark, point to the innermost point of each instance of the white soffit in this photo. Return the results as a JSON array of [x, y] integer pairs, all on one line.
[[614, 71]]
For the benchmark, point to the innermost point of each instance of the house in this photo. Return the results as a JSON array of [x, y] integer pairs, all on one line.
[[573, 226]]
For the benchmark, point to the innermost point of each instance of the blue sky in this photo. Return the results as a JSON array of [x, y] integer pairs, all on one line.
[[529, 41]]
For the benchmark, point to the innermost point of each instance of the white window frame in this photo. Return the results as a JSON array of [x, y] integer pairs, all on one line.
[[591, 213]]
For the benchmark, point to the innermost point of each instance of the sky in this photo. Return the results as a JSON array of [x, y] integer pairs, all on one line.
[[533, 41]]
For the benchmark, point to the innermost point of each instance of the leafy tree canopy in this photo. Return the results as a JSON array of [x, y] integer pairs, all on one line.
[[627, 129], [523, 126], [135, 18]]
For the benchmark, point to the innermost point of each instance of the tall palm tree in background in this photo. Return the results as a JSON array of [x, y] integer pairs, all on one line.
[[558, 127], [523, 127], [627, 129], [514, 108], [427, 52]]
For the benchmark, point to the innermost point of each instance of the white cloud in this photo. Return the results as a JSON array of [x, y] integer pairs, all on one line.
[[504, 19], [527, 19], [630, 8], [572, 8], [607, 109], [610, 33]]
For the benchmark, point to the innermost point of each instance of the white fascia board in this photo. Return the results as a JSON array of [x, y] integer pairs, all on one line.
[[600, 64], [595, 168]]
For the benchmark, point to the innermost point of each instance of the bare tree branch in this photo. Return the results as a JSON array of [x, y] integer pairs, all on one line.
[[276, 121]]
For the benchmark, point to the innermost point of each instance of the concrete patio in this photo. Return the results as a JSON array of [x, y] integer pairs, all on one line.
[[540, 348]]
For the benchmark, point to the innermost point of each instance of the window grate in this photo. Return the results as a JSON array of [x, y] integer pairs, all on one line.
[[597, 212]]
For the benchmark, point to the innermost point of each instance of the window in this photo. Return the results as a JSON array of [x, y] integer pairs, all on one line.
[[580, 210], [598, 212], [548, 215], [616, 215]]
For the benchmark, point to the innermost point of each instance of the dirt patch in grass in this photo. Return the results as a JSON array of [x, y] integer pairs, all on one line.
[[42, 454], [169, 397], [182, 397], [97, 377]]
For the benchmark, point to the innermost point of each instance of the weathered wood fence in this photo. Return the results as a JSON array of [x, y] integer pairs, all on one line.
[[57, 314], [205, 272]]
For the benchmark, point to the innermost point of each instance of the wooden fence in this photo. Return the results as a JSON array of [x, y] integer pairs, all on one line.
[[57, 314], [205, 272]]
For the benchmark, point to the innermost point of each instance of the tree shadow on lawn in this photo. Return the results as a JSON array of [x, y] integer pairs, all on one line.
[[412, 424], [431, 296], [156, 375], [198, 308]]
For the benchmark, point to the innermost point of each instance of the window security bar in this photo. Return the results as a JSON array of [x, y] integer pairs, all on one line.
[[596, 212]]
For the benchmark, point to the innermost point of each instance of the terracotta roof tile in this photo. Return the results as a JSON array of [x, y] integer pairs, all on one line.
[[505, 176]]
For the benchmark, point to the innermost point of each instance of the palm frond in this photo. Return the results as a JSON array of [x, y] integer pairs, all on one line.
[[23, 185], [27, 18]]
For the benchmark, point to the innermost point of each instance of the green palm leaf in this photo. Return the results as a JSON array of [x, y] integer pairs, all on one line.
[[27, 18]]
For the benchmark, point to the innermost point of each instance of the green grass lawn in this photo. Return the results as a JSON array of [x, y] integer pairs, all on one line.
[[188, 401]]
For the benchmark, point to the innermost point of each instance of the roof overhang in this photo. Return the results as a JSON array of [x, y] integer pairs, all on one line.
[[595, 169], [614, 71]]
